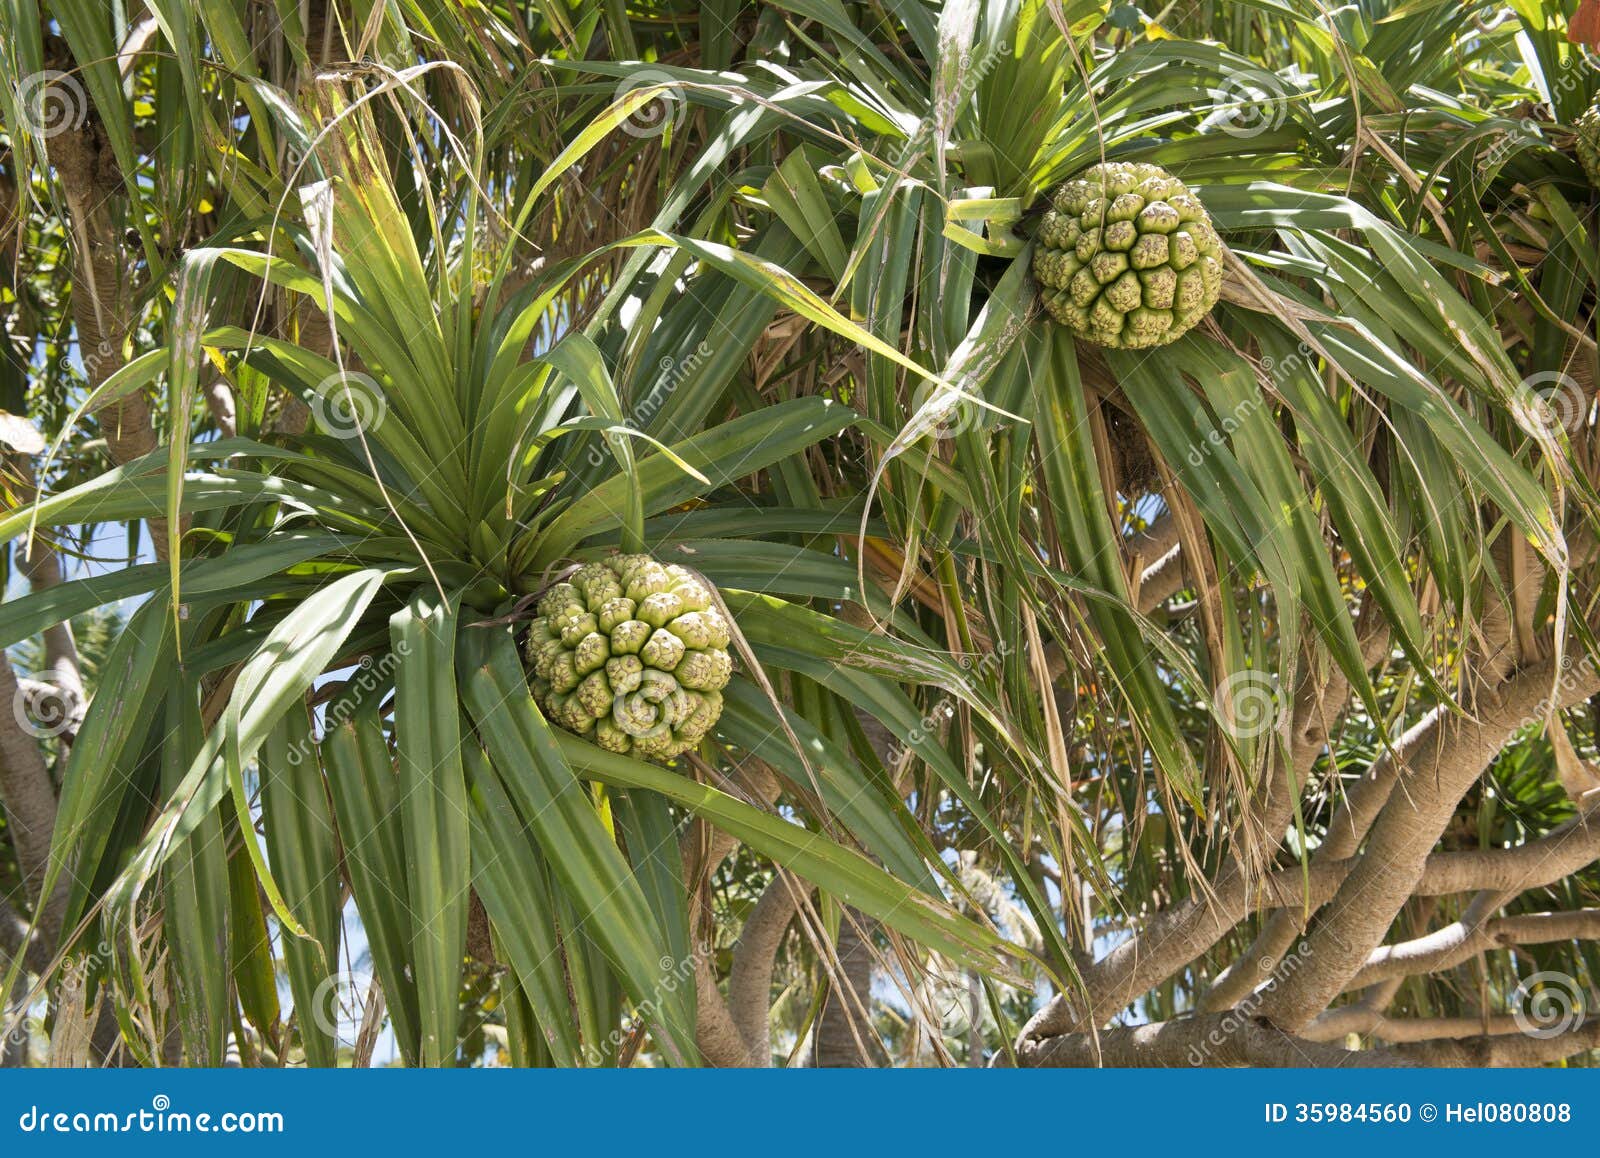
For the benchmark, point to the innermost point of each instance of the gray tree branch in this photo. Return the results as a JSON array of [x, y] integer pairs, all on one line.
[[1439, 769], [750, 979], [1207, 1040], [1464, 939]]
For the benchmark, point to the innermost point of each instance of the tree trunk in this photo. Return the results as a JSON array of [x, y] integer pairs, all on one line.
[[845, 1036]]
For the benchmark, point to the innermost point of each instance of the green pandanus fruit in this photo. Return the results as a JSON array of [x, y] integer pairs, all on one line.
[[632, 654], [1127, 257]]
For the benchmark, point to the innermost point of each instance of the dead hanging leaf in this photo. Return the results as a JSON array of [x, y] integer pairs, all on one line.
[[1585, 26]]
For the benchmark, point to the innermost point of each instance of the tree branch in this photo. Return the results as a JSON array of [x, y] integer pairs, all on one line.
[[750, 980], [1171, 939], [1464, 939], [1348, 1019], [1438, 773], [42, 567], [28, 795], [714, 1032], [703, 850], [1207, 1040], [1492, 1051]]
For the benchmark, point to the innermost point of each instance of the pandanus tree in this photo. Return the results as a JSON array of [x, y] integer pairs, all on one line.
[[411, 533], [1147, 541]]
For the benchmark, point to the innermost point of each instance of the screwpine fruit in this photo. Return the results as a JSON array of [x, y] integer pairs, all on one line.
[[1127, 257], [1587, 130], [632, 654]]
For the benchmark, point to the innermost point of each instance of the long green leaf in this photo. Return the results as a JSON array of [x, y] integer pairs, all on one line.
[[433, 812], [609, 903]]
